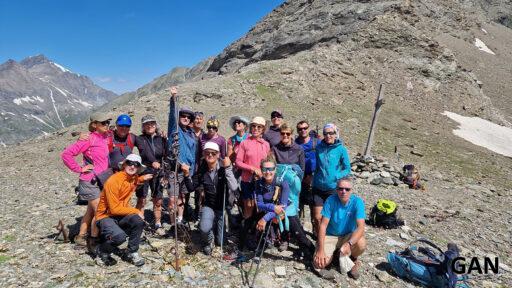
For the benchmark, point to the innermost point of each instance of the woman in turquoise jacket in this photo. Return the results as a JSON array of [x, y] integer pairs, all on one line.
[[332, 164]]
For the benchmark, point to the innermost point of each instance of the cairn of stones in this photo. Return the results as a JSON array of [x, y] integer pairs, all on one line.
[[376, 170]]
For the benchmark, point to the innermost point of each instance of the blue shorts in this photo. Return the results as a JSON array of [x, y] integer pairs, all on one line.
[[247, 190]]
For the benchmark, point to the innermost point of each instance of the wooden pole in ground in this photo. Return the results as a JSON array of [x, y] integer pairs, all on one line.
[[378, 104]]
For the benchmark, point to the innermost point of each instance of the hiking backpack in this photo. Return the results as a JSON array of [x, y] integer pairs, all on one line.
[[411, 176], [383, 215], [292, 174], [130, 142], [427, 265]]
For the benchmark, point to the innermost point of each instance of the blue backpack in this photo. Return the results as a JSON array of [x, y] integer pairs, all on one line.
[[292, 174], [427, 265]]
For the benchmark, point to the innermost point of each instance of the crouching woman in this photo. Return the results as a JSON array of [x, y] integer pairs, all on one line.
[[116, 218]]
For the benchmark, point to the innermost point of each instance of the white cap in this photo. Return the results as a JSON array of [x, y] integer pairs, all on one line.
[[134, 158], [212, 146]]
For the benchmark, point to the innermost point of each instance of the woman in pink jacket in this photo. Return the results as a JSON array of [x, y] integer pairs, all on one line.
[[95, 154], [250, 153]]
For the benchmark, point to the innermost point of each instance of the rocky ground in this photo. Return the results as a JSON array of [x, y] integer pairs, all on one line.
[[37, 192]]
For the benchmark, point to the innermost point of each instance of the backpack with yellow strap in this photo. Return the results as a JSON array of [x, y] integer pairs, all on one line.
[[383, 215]]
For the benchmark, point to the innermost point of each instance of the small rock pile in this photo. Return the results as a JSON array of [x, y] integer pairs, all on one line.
[[377, 171]]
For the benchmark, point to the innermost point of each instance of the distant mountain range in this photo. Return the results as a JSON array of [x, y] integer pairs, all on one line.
[[39, 96]]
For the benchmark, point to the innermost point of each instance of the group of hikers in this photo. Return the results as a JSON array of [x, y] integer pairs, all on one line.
[[267, 173]]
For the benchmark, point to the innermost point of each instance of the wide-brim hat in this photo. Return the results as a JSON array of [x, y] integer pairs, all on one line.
[[258, 120], [134, 158], [239, 118]]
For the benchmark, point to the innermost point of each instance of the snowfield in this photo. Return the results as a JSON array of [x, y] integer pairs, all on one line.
[[483, 133]]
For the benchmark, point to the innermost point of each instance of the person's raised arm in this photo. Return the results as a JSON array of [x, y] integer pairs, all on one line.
[[172, 124]]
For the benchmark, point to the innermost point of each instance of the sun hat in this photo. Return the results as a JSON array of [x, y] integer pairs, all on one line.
[[211, 146], [100, 117], [233, 119], [133, 158], [258, 120]]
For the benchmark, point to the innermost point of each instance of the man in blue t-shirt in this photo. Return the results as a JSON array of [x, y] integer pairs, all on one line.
[[342, 227]]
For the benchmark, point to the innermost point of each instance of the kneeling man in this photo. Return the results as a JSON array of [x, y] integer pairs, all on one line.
[[116, 218], [342, 227]]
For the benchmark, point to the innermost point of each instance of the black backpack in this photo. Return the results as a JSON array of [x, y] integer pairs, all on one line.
[[383, 215]]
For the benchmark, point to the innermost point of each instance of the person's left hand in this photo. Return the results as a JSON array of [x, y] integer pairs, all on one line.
[[345, 249], [261, 224], [226, 162], [185, 169]]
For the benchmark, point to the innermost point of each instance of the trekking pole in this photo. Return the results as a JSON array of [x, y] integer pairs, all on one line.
[[223, 213], [264, 238], [174, 156]]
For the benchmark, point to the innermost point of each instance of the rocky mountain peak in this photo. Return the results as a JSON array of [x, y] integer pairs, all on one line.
[[34, 60]]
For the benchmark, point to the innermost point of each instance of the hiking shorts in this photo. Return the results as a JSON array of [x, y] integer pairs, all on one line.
[[157, 191], [88, 191], [247, 190], [319, 196], [181, 189], [333, 243]]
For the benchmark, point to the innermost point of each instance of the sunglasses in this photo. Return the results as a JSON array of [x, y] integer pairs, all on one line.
[[329, 133], [186, 116], [212, 127], [124, 126], [268, 169], [343, 189], [302, 128], [150, 123], [132, 163], [276, 116], [238, 122], [105, 123], [211, 153], [257, 126], [286, 133]]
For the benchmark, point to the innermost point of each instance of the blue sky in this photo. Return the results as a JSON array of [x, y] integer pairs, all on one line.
[[122, 45]]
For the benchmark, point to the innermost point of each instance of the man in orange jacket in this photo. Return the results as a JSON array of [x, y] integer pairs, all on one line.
[[116, 218]]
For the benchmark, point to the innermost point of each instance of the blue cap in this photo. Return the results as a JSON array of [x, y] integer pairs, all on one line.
[[124, 119]]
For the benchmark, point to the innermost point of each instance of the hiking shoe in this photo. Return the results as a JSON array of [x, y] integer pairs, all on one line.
[[326, 274], [207, 250], [105, 258], [283, 246], [159, 230], [354, 272], [92, 243], [134, 258], [81, 240]]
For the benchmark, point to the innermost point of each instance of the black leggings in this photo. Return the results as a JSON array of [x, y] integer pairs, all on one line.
[[298, 233]]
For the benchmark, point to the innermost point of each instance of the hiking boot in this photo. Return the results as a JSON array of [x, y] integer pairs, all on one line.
[[326, 274], [159, 230], [105, 258], [207, 250], [92, 243], [81, 240], [354, 272], [283, 246], [134, 258]]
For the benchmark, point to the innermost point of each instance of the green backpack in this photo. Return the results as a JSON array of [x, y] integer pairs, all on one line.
[[383, 215]]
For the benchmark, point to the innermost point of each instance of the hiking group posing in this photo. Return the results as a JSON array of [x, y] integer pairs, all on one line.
[[267, 173]]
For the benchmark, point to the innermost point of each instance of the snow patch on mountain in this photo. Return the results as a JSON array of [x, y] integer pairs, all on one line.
[[28, 99], [41, 120], [85, 104], [481, 45], [60, 67], [483, 133]]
